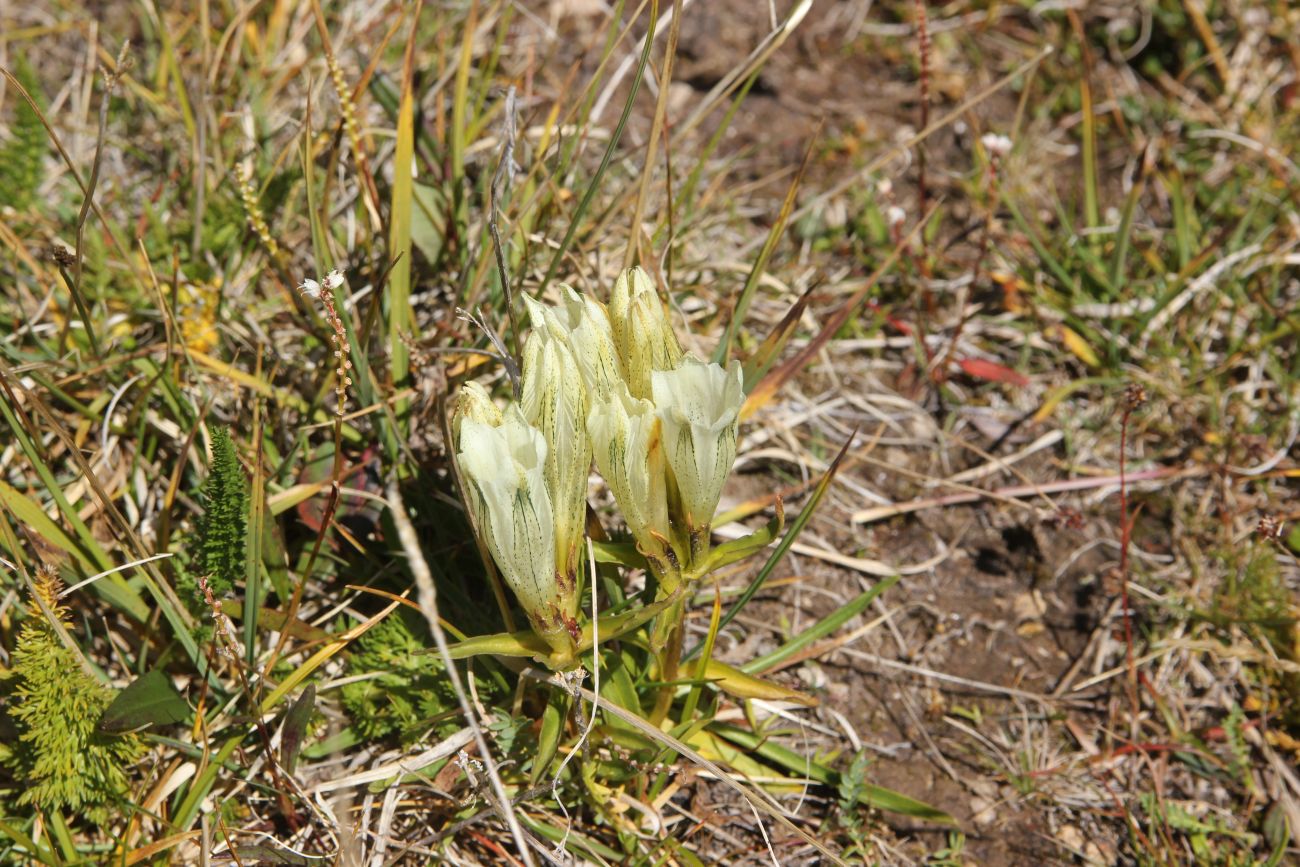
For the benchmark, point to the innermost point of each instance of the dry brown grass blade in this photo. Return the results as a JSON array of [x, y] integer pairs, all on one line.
[[971, 495], [770, 384], [657, 129], [758, 364]]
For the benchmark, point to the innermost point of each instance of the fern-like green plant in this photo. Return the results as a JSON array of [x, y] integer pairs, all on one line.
[[222, 529], [60, 758], [22, 156]]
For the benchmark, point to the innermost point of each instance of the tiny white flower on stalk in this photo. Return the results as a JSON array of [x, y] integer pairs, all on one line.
[[334, 279], [310, 288], [628, 447], [504, 472], [699, 406], [642, 334], [555, 402], [998, 146]]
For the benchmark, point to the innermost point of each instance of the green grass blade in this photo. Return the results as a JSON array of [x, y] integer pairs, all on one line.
[[872, 796], [819, 630], [594, 184], [400, 316], [805, 514], [253, 593], [1125, 236], [723, 350]]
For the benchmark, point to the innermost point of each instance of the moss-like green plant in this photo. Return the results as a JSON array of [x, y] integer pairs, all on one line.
[[22, 155], [408, 690], [60, 759], [222, 529]]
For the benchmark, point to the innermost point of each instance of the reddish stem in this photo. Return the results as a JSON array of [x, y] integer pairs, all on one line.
[[1133, 398]]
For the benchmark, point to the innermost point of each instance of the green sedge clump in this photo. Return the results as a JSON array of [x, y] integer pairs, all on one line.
[[60, 758]]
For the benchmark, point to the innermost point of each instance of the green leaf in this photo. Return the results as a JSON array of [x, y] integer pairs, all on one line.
[[619, 553], [871, 796], [738, 549], [804, 515], [522, 643], [819, 630], [429, 220], [548, 739], [295, 726], [737, 683], [621, 624], [112, 588], [222, 530], [148, 700]]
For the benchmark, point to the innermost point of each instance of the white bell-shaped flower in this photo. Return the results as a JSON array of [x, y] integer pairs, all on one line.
[[699, 405], [643, 335], [503, 468], [628, 448], [555, 402], [472, 402], [582, 323]]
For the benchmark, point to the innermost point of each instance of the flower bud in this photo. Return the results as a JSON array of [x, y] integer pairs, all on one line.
[[628, 447], [699, 405], [582, 324], [472, 402], [555, 402], [503, 469], [642, 334], [586, 325]]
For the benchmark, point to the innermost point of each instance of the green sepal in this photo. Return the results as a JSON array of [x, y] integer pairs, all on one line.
[[738, 549], [619, 553]]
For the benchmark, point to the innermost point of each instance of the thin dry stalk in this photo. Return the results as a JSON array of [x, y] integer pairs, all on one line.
[[428, 599]]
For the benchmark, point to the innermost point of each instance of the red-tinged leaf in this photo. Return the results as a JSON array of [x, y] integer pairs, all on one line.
[[295, 727], [992, 371]]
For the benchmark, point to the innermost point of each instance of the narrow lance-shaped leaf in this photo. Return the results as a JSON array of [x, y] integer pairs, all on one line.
[[148, 700], [295, 726], [799, 523], [871, 796]]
